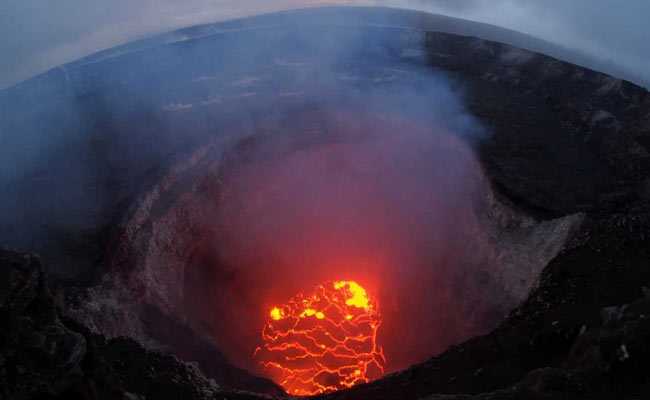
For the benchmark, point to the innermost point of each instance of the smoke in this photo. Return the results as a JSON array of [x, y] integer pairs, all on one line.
[[386, 191], [354, 160]]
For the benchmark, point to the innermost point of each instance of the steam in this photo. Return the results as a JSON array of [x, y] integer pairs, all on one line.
[[347, 158], [387, 192]]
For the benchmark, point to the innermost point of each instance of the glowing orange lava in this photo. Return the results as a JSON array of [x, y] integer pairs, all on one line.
[[323, 342]]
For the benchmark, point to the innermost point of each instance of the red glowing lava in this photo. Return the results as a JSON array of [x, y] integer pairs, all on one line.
[[323, 342]]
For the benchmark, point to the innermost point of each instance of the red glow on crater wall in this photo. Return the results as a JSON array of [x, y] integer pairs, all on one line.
[[381, 202], [324, 341]]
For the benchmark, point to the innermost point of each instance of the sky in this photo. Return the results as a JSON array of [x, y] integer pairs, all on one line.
[[36, 35]]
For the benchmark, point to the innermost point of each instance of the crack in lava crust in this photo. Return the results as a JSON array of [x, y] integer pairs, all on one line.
[[323, 342]]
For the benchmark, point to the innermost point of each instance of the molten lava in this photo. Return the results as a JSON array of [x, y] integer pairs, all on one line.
[[323, 342]]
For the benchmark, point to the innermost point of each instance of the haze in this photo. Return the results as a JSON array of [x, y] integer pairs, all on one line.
[[39, 35]]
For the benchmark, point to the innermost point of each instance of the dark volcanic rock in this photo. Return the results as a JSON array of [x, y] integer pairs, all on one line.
[[583, 333], [564, 138], [188, 345], [37, 351], [44, 356]]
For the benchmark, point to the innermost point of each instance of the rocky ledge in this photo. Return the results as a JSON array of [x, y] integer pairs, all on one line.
[[44, 355]]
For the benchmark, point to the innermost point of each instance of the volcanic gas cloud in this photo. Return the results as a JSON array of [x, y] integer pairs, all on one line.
[[323, 341], [384, 196], [382, 202]]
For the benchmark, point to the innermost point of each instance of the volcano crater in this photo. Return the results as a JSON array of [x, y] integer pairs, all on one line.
[[221, 169]]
